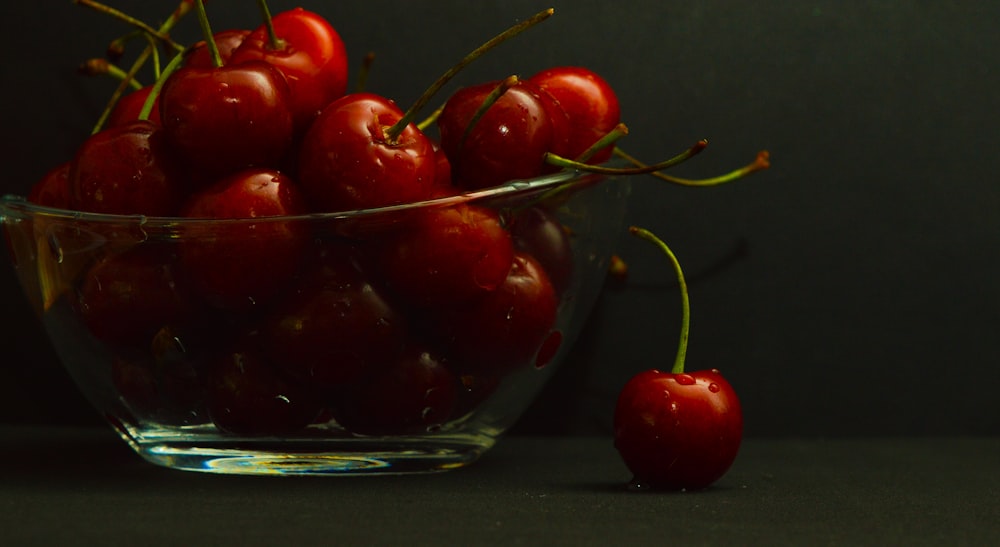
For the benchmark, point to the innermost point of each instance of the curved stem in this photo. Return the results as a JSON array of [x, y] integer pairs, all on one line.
[[566, 163], [147, 107], [678, 367], [97, 66], [274, 42], [490, 99], [208, 35], [761, 162], [617, 133], [397, 129], [108, 10]]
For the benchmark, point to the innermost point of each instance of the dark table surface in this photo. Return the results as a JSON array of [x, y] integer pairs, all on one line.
[[83, 486]]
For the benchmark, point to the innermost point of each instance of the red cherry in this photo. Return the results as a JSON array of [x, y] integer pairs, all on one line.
[[127, 108], [125, 170], [127, 298], [445, 257], [539, 233], [246, 395], [678, 431], [334, 326], [590, 103], [504, 330], [239, 266], [310, 54], [52, 190], [508, 142], [348, 162], [415, 394], [221, 120], [198, 55]]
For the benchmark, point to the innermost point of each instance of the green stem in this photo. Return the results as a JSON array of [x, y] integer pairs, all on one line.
[[678, 367], [397, 129], [208, 35], [275, 43], [128, 19], [490, 99], [98, 66], [611, 137], [761, 162], [566, 163], [173, 65]]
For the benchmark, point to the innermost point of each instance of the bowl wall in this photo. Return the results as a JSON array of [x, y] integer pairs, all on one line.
[[346, 343]]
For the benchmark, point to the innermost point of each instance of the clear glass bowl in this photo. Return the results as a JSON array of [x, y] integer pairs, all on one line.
[[340, 343]]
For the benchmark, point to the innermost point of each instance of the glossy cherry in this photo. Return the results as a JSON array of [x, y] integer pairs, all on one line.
[[677, 430], [349, 161], [128, 108], [223, 119], [590, 103], [507, 142], [126, 170], [538, 232], [240, 266], [335, 326], [445, 257], [310, 54], [199, 55], [504, 329]]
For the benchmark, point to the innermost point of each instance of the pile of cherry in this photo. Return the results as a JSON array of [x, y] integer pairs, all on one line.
[[263, 328]]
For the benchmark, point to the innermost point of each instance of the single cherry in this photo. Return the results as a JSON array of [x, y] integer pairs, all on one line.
[[506, 141], [125, 170], [538, 232], [348, 160], [677, 430], [200, 56], [590, 103], [447, 256], [52, 190], [239, 266], [129, 107], [335, 326], [503, 330], [308, 52]]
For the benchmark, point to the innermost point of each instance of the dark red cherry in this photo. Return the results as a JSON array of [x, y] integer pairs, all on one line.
[[221, 120], [539, 233], [347, 161], [239, 266], [413, 395], [125, 170], [505, 329], [129, 106], [52, 190], [226, 41], [334, 327], [445, 257]]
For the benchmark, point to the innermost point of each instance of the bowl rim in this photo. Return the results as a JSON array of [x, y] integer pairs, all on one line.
[[19, 204]]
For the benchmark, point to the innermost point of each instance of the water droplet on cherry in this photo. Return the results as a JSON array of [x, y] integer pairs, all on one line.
[[685, 379], [714, 387]]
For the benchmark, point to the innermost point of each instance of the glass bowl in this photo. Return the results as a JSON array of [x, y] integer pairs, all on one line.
[[364, 342]]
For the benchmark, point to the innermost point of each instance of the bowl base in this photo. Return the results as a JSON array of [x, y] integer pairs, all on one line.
[[347, 456]]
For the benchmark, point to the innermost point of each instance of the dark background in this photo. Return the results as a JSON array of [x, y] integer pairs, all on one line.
[[851, 290]]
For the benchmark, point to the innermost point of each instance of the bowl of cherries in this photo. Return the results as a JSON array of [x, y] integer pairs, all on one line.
[[248, 269]]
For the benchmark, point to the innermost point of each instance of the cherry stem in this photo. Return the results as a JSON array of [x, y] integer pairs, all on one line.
[[761, 162], [429, 120], [276, 44], [397, 129], [611, 137], [128, 19], [488, 102], [207, 34], [101, 67], [365, 71], [678, 367], [566, 163], [176, 16], [147, 106]]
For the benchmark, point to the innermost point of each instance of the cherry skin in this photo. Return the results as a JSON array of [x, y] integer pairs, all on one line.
[[539, 233], [413, 395], [128, 108], [198, 55], [241, 266], [446, 257], [125, 170], [126, 298], [334, 327], [508, 142], [245, 395], [52, 190], [221, 120], [347, 161], [678, 431], [311, 55], [504, 330], [590, 103]]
